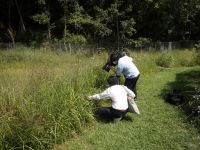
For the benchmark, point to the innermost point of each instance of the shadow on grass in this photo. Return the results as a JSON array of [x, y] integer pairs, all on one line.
[[188, 85]]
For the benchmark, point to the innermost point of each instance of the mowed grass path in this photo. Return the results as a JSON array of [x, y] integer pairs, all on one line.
[[160, 126]]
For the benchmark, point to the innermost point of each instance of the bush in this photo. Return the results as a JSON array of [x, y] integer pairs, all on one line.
[[194, 106], [197, 58], [197, 45], [165, 60]]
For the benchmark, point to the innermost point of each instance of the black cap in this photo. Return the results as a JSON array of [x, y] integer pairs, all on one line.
[[115, 56], [113, 80]]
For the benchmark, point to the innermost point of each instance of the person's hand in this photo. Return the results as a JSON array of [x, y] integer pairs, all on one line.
[[88, 97], [129, 98]]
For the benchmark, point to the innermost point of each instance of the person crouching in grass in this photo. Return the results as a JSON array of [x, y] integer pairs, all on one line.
[[118, 94]]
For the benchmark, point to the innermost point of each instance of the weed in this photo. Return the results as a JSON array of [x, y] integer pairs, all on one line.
[[165, 60]]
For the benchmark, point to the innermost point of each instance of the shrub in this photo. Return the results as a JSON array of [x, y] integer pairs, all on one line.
[[165, 60], [197, 45], [197, 58], [194, 106]]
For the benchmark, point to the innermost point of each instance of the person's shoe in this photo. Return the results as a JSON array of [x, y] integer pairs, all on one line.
[[128, 118], [117, 120]]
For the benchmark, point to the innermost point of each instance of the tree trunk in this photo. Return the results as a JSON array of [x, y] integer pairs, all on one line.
[[20, 16], [9, 20], [117, 33], [70, 48], [65, 33], [49, 24], [49, 31]]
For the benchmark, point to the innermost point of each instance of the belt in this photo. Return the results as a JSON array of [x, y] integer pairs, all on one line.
[[121, 110], [131, 77]]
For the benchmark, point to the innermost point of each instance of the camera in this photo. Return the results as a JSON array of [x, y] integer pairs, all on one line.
[[114, 56], [108, 65]]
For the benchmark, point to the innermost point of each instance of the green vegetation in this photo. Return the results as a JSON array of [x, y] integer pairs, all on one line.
[[188, 82], [42, 102], [160, 125], [165, 60], [42, 98], [133, 23]]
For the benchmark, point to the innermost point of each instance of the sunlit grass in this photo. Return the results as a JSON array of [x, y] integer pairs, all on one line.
[[160, 125], [42, 95]]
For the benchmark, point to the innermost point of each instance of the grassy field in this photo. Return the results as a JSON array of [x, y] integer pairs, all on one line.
[[160, 125], [42, 102]]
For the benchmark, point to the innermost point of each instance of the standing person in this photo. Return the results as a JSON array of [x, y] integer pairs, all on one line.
[[119, 95], [126, 67]]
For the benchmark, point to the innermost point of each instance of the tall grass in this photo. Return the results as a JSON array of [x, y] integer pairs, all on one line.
[[42, 101], [161, 126], [42, 94]]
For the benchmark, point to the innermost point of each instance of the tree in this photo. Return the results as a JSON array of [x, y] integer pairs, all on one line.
[[43, 17], [121, 23], [23, 28]]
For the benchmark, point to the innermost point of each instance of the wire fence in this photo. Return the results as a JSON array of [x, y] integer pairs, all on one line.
[[74, 48]]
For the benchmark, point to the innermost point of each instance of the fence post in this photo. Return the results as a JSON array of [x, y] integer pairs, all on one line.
[[170, 46]]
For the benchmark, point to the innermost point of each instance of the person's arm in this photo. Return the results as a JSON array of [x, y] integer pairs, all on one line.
[[130, 93], [104, 94], [119, 69]]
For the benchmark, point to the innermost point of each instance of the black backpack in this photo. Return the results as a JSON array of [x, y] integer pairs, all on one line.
[[175, 97]]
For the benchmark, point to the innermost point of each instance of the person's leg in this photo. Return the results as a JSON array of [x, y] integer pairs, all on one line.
[[117, 115], [135, 85], [105, 113], [131, 84], [110, 114]]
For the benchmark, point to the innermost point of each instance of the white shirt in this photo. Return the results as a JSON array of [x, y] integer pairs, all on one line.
[[127, 68], [118, 95]]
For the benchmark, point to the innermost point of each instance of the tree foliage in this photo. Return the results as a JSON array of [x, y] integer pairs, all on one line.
[[100, 20]]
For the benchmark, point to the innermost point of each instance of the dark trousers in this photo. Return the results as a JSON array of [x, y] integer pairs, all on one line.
[[109, 113], [131, 84]]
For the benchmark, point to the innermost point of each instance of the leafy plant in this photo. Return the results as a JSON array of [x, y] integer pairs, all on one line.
[[194, 104], [197, 45], [197, 58], [165, 60], [75, 39], [140, 42]]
